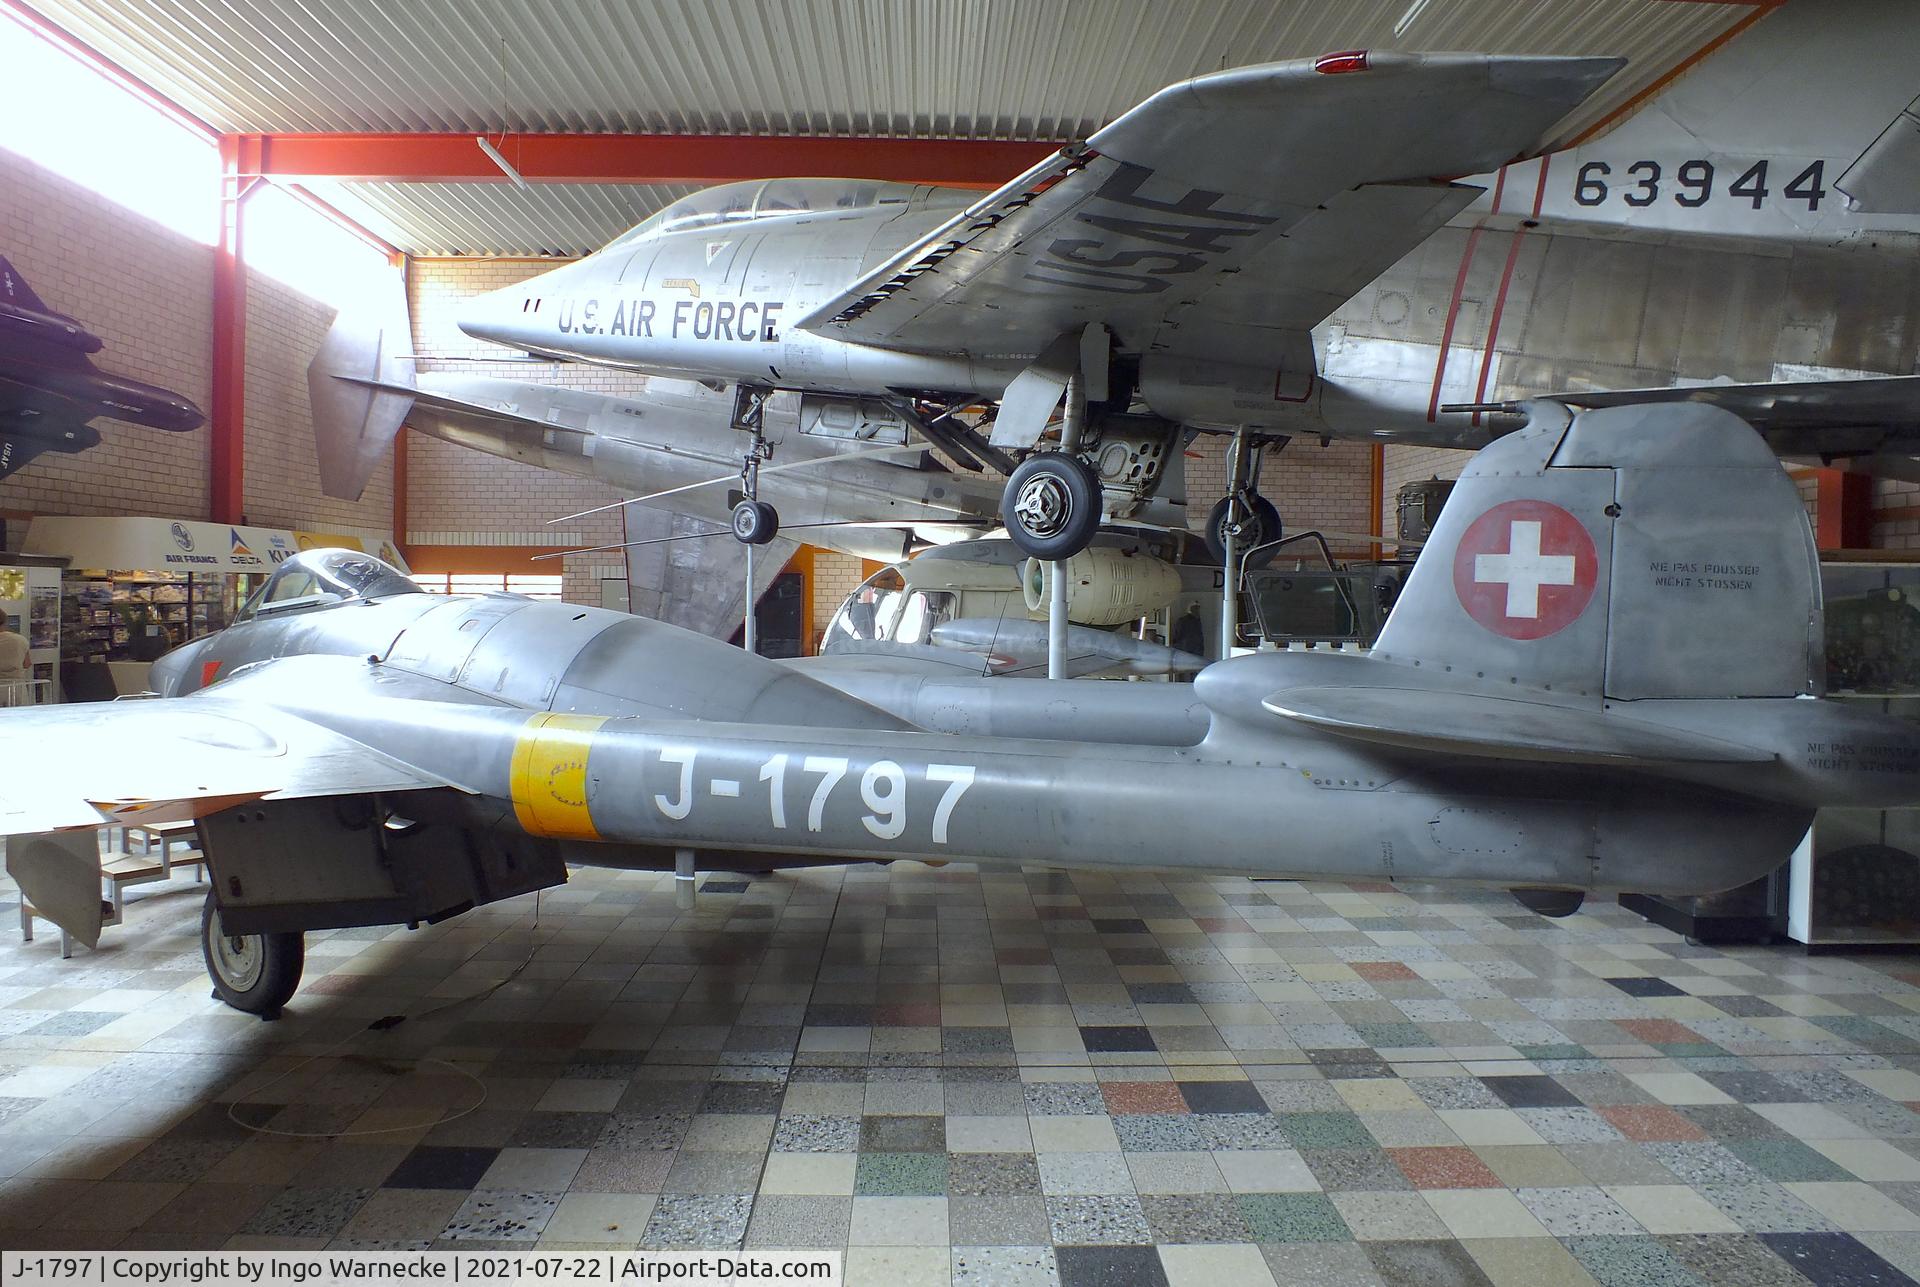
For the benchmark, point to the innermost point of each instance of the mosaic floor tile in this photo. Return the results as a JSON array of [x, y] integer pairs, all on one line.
[[899, 1175], [1109, 1266], [1292, 1217], [1005, 1266], [794, 1220], [997, 1221], [1444, 1168], [1097, 1219], [1579, 1211], [1442, 1264], [687, 1221], [1630, 1262], [501, 1215], [306, 1213], [817, 1133]]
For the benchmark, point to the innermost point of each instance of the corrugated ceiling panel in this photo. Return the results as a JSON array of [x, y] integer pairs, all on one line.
[[565, 219], [1025, 69]]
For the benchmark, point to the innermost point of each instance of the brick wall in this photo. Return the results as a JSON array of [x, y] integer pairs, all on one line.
[[284, 329], [148, 293], [1896, 505], [456, 496], [835, 576], [1327, 488]]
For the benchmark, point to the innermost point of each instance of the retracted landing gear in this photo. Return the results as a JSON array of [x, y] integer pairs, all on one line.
[[256, 973], [1052, 506]]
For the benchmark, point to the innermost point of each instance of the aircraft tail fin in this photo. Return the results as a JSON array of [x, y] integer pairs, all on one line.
[[14, 288], [1626, 552], [1829, 83], [355, 386]]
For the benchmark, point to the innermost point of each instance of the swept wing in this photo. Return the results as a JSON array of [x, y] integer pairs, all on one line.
[[1319, 180]]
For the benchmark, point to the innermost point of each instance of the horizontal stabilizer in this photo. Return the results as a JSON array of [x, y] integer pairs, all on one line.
[[1797, 417], [1500, 728]]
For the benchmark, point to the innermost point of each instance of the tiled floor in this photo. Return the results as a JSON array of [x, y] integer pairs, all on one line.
[[991, 1078]]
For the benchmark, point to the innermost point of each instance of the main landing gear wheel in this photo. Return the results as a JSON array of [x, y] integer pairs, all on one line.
[[1258, 529], [1052, 506], [755, 522], [256, 973]]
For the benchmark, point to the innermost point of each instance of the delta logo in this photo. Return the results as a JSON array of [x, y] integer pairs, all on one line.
[[240, 553]]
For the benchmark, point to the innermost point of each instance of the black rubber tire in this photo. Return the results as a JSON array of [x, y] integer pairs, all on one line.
[[755, 522], [1051, 506], [283, 957], [1266, 529]]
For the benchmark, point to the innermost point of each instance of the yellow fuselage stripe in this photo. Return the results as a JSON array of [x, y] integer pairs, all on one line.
[[549, 778]]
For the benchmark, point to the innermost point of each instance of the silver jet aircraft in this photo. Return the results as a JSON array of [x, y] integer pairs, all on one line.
[[1265, 251], [1163, 269], [1603, 674]]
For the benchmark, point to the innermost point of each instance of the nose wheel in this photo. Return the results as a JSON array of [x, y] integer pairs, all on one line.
[[1052, 506], [256, 973], [755, 522]]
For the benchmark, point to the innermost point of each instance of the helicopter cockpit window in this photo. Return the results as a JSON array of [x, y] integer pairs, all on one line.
[[885, 610]]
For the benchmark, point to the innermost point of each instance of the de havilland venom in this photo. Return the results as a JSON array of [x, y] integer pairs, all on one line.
[[1259, 250], [1604, 673]]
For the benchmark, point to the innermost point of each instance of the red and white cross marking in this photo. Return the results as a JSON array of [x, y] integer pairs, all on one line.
[[1525, 569]]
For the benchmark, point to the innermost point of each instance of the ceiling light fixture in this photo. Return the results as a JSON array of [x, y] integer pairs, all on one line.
[[515, 175]]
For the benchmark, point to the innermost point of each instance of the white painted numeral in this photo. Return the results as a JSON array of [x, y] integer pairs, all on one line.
[[889, 816], [683, 756], [958, 778], [775, 772], [835, 768]]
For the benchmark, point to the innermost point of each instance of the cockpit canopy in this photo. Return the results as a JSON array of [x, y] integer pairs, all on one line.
[[325, 578], [767, 199]]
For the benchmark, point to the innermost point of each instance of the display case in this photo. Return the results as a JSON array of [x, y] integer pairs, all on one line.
[[1855, 879], [130, 616]]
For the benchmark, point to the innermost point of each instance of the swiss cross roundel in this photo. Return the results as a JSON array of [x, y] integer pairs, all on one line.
[[1525, 569]]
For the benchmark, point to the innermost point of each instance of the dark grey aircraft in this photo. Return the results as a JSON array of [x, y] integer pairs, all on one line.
[[1603, 674], [49, 389]]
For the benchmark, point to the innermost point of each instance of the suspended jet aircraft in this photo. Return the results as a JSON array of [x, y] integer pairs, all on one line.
[[1604, 673], [1102, 268], [50, 389], [1203, 264], [837, 470]]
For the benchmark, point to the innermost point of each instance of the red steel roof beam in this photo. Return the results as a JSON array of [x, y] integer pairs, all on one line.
[[644, 158]]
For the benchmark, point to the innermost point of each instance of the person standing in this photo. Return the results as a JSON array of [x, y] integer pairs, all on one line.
[[14, 667]]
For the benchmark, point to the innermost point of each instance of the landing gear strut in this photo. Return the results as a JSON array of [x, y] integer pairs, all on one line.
[[754, 521], [256, 973]]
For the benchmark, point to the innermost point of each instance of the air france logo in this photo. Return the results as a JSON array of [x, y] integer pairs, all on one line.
[[182, 537], [1525, 569]]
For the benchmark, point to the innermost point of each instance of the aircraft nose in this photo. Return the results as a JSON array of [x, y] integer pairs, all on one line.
[[499, 315]]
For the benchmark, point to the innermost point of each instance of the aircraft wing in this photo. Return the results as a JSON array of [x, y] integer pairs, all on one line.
[[1321, 169], [94, 764]]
